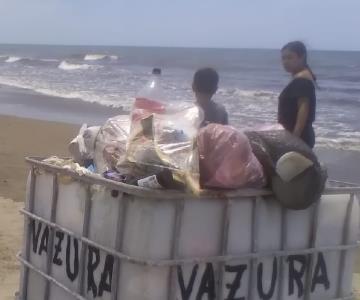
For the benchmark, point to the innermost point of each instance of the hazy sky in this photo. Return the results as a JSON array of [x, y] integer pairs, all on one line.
[[321, 24]]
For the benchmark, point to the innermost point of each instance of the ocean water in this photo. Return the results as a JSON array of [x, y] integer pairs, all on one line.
[[250, 81]]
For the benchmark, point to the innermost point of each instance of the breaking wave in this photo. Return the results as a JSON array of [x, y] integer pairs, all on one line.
[[29, 61], [12, 59], [94, 57], [64, 65]]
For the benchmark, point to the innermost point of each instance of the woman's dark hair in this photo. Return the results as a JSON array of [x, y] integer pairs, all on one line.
[[300, 49]]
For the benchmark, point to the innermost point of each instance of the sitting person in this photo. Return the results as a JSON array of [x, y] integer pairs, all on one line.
[[205, 85]]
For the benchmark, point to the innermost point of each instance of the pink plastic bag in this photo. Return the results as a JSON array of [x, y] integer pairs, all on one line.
[[226, 159]]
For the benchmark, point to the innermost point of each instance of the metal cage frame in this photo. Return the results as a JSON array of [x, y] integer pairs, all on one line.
[[336, 187]]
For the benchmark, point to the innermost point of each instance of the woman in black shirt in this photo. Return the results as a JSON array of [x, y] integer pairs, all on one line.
[[297, 102]]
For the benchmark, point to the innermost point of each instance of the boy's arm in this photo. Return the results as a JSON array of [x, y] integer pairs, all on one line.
[[226, 118]]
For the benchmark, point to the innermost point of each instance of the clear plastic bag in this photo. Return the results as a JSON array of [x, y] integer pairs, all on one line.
[[162, 137], [110, 146], [174, 134], [82, 147]]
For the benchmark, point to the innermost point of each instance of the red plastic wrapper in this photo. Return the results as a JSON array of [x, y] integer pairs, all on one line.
[[226, 159]]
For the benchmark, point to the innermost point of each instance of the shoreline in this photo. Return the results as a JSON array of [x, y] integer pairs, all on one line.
[[26, 103], [341, 165]]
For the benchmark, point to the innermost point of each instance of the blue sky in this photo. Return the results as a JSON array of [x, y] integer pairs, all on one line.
[[321, 24]]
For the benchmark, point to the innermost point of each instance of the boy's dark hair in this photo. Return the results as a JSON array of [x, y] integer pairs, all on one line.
[[206, 81]]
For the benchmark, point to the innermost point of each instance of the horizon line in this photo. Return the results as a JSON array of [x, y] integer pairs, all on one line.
[[179, 47]]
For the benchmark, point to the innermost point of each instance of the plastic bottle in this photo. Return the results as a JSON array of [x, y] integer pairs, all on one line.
[[151, 97]]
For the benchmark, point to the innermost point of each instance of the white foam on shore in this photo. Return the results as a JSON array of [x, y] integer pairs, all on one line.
[[84, 96], [339, 143]]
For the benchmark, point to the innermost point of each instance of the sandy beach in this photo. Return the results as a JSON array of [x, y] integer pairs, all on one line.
[[21, 137], [11, 226], [24, 137]]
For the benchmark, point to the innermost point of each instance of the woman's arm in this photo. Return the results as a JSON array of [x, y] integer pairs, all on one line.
[[302, 116]]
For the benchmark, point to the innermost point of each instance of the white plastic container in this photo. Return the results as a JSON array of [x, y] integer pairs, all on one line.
[[83, 241]]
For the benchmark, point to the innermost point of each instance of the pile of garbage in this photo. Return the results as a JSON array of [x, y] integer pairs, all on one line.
[[161, 145]]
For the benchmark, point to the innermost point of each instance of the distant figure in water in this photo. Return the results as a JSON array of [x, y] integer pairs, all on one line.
[[297, 102], [205, 85]]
